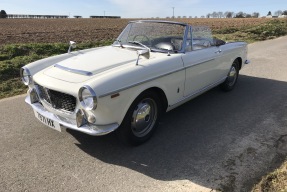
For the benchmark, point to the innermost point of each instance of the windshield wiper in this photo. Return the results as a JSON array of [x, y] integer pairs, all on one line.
[[139, 43]]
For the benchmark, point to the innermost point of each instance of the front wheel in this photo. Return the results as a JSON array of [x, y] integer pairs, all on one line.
[[232, 77], [141, 119]]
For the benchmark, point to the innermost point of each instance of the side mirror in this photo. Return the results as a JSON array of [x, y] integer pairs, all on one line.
[[145, 53], [72, 45]]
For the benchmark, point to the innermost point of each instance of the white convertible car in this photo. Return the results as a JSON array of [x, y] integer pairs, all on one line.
[[153, 67]]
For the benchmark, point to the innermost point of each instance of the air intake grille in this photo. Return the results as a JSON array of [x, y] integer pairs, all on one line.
[[58, 100]]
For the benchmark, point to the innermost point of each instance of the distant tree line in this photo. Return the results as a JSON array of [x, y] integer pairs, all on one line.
[[241, 14], [279, 12], [230, 14]]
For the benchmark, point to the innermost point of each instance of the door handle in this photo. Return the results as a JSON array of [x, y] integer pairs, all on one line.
[[219, 51]]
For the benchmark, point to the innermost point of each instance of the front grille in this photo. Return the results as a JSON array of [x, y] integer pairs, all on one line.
[[57, 100]]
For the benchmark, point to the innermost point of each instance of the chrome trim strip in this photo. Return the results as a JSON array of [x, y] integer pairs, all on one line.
[[159, 21], [183, 46], [139, 83], [93, 95], [81, 72], [201, 62], [247, 62], [202, 90], [61, 111]]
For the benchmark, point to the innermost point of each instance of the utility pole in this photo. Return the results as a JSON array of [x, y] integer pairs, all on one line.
[[173, 12], [104, 13]]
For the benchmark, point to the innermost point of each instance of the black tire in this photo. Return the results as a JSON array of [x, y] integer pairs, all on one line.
[[232, 77], [147, 109]]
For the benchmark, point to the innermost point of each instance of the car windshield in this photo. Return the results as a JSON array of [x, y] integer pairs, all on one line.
[[157, 36]]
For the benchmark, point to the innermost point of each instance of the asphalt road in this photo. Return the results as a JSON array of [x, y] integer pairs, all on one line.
[[219, 140]]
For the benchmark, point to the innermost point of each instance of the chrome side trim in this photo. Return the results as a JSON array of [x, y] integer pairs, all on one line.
[[81, 72], [247, 62], [139, 83], [201, 62], [198, 92], [151, 79]]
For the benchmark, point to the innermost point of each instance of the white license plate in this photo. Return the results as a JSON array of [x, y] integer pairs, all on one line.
[[47, 121]]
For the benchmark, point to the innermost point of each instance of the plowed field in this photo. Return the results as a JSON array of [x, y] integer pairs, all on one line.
[[83, 30]]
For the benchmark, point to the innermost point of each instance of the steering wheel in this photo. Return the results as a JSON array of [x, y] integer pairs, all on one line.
[[140, 38]]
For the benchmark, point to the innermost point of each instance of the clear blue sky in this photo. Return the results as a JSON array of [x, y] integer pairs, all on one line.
[[139, 8]]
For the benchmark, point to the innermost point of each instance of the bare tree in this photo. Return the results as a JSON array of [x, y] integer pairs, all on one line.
[[214, 14], [230, 14], [284, 12], [225, 14], [255, 14], [248, 16], [220, 14], [208, 15], [202, 16], [240, 15], [269, 13], [278, 13]]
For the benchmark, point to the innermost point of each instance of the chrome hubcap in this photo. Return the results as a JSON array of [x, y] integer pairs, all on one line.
[[144, 117], [232, 76]]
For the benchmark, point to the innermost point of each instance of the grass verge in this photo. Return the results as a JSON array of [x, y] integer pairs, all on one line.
[[14, 56], [268, 30], [275, 181]]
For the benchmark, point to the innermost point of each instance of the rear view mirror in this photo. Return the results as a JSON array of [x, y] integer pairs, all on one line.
[[72, 45], [145, 53]]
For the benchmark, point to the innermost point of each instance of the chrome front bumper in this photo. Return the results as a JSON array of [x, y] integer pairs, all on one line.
[[95, 130]]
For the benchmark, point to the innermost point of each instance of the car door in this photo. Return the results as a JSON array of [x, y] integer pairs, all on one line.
[[201, 64]]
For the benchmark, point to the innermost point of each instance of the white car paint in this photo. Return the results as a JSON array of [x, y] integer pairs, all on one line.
[[113, 70]]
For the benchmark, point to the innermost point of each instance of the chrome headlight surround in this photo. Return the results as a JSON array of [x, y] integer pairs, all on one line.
[[25, 76], [88, 98]]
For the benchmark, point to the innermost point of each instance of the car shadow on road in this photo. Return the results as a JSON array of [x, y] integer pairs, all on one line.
[[218, 140]]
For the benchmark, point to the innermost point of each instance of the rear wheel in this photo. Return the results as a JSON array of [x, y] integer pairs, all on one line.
[[232, 77], [141, 119]]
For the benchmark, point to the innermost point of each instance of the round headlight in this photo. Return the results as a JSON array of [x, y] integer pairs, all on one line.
[[25, 76], [88, 98]]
